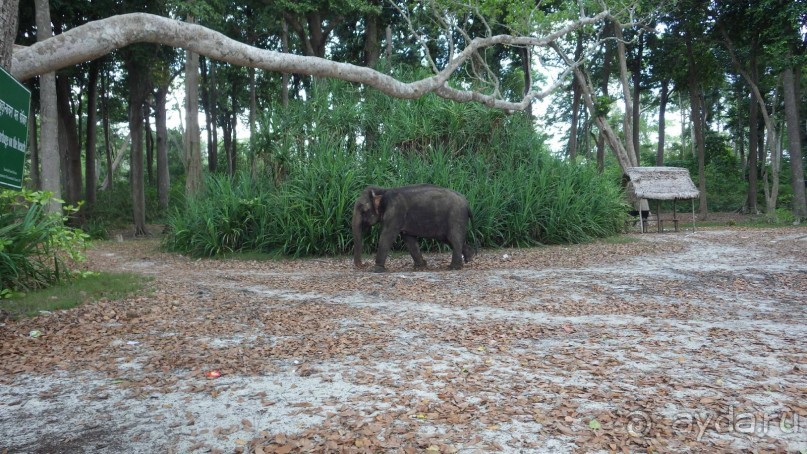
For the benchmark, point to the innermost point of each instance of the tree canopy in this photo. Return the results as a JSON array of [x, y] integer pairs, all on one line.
[[727, 75]]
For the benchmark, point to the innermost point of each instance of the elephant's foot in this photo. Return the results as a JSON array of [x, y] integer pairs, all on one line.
[[420, 266], [455, 266], [379, 269]]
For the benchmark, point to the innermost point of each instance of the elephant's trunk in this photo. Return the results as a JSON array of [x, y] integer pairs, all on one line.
[[358, 231]]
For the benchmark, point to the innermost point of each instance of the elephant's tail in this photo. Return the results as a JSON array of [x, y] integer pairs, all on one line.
[[477, 244]]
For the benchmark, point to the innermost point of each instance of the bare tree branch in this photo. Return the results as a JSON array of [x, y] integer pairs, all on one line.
[[97, 38], [587, 89], [418, 39]]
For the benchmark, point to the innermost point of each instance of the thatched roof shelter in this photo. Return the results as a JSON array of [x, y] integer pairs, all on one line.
[[660, 183]]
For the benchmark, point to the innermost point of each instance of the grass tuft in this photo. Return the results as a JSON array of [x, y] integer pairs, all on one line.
[[69, 294], [301, 205]]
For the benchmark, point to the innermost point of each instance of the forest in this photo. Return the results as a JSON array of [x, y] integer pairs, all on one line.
[[253, 125]]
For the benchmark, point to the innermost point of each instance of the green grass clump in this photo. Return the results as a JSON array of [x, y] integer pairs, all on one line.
[[87, 288], [313, 168]]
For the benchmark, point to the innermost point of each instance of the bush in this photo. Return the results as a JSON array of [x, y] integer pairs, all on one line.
[[537, 200], [302, 205], [227, 216], [36, 248]]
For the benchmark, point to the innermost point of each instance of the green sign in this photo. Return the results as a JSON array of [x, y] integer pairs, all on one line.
[[15, 101]]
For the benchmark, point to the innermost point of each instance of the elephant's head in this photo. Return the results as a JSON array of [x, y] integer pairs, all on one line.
[[366, 213]]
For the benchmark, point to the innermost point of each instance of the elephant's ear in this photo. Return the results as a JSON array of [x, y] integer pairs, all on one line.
[[376, 193], [377, 202]]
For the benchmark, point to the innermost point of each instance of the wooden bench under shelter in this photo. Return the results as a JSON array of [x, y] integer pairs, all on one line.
[[661, 183]]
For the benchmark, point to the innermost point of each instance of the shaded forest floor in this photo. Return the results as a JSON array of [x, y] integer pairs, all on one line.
[[667, 342]]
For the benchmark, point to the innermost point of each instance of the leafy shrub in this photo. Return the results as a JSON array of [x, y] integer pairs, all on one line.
[[37, 249], [783, 216]]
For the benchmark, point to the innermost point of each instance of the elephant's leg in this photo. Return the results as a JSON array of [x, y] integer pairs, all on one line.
[[385, 241], [468, 252], [456, 243], [414, 251]]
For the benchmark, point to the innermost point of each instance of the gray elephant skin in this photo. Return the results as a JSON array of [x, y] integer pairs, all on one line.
[[416, 211]]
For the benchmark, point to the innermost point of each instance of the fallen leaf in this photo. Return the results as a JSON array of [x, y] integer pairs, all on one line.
[[568, 328]]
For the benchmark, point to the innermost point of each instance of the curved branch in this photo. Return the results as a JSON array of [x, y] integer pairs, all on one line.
[[97, 38]]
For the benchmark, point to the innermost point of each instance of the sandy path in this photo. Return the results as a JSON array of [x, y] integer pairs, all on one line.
[[684, 342]]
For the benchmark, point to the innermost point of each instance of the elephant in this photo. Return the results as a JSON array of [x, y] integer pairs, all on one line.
[[421, 210]]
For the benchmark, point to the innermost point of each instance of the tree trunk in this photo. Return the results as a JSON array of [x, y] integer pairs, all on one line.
[[372, 46], [284, 47], [770, 125], [63, 153], [700, 146], [624, 157], [388, 51], [684, 123], [138, 91], [49, 123], [206, 104], [637, 80], [372, 55], [227, 136], [662, 109], [72, 157], [753, 155], [587, 134], [113, 165], [572, 151], [794, 143], [9, 15], [213, 146], [160, 118], [526, 67], [149, 145], [606, 76], [193, 156], [90, 174], [756, 154], [313, 35], [33, 149], [770, 176], [253, 118], [233, 161], [696, 116], [105, 120], [633, 155], [738, 139]]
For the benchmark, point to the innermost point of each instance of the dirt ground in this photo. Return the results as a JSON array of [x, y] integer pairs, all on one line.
[[675, 342]]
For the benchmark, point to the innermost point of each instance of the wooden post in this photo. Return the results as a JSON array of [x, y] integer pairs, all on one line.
[[641, 219], [675, 214], [659, 222]]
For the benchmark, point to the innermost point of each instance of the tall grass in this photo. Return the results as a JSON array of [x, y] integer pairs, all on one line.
[[519, 194]]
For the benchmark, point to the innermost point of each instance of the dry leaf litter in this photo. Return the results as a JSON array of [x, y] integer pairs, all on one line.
[[688, 342]]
